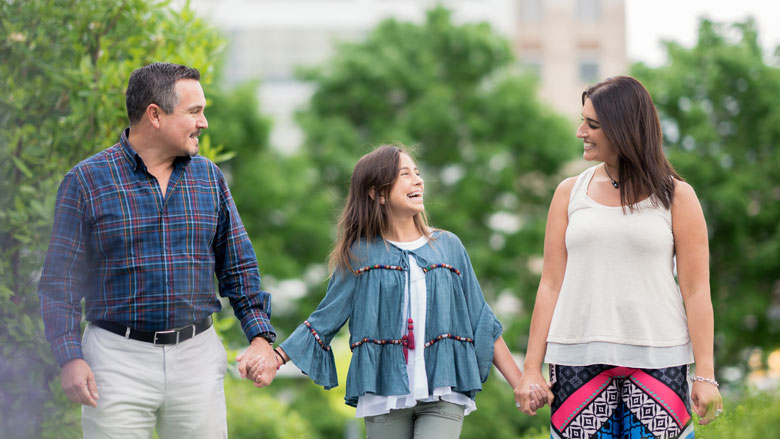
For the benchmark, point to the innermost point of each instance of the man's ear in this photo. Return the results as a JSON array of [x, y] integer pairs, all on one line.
[[153, 113]]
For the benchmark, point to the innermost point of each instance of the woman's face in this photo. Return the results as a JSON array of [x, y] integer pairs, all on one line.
[[405, 198], [596, 145]]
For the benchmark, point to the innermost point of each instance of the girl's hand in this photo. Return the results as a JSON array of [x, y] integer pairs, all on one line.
[[532, 393], [707, 402]]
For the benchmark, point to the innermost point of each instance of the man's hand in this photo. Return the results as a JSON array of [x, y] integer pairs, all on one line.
[[78, 382], [259, 358]]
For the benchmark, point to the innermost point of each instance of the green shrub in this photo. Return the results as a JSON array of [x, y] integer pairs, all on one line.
[[755, 416], [256, 414], [64, 70]]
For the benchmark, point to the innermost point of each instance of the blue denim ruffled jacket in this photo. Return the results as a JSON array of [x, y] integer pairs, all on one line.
[[460, 326]]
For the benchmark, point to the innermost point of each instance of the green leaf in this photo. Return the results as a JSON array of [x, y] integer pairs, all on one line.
[[20, 165]]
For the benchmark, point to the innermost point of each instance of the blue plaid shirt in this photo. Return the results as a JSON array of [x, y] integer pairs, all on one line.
[[143, 259]]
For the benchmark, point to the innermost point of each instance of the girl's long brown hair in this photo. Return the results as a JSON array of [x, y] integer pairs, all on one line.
[[363, 215], [630, 122]]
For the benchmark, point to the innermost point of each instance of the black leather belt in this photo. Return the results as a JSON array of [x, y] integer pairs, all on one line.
[[171, 336]]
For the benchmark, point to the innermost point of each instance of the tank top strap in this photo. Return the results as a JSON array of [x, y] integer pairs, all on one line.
[[577, 197]]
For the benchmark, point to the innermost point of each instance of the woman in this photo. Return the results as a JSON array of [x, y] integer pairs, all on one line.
[[422, 336], [609, 317]]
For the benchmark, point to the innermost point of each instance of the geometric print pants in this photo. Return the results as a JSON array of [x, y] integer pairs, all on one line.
[[600, 401]]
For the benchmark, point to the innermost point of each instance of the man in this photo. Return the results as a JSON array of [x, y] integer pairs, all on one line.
[[140, 230]]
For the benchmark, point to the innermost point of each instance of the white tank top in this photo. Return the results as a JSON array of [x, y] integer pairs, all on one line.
[[619, 302]]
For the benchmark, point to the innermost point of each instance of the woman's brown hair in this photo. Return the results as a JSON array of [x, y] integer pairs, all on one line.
[[363, 215], [630, 121]]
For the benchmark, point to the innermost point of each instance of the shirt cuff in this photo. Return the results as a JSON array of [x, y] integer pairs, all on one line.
[[256, 326], [66, 348]]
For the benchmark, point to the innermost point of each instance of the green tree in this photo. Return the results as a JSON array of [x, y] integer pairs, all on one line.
[[288, 216], [285, 210], [718, 104], [64, 70], [490, 153]]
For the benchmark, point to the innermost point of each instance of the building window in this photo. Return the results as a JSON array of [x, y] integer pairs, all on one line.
[[588, 10], [530, 63], [532, 68], [589, 71], [531, 11]]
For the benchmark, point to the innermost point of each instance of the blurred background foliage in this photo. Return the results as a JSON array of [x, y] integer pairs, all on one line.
[[63, 75], [490, 153], [719, 105]]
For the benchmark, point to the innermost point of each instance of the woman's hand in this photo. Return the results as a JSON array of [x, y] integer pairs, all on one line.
[[532, 393], [707, 402]]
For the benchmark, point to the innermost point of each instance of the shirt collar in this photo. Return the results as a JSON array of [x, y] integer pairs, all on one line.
[[129, 153], [136, 161]]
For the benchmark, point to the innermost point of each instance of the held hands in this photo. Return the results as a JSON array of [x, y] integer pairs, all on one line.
[[532, 393], [707, 402], [78, 382], [258, 363]]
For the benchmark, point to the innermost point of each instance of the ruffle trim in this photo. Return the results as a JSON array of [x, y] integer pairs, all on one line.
[[380, 370], [425, 269], [454, 337], [309, 355], [400, 341], [316, 336], [379, 266], [447, 266]]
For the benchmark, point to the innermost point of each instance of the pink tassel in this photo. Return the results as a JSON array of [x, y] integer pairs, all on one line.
[[408, 340], [411, 333]]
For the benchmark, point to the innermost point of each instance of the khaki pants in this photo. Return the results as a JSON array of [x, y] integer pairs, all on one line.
[[426, 420], [177, 389]]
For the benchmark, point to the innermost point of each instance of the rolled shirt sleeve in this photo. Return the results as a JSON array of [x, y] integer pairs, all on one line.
[[237, 268]]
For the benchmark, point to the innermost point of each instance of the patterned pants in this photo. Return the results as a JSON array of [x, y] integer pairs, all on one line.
[[601, 401]]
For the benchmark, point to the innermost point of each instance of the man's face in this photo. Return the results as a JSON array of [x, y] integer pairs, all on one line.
[[181, 128]]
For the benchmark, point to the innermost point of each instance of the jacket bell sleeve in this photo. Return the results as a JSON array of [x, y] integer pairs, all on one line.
[[485, 324], [309, 345]]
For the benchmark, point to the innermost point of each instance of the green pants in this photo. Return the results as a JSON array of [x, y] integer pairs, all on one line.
[[426, 420]]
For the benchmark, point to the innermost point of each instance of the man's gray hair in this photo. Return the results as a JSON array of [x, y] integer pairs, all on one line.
[[155, 84]]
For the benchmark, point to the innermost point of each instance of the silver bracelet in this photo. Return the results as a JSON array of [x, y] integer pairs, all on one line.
[[706, 380]]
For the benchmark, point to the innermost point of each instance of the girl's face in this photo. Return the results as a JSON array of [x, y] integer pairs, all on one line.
[[405, 198], [596, 145]]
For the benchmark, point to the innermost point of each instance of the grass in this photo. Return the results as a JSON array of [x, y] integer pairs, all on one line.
[[751, 417]]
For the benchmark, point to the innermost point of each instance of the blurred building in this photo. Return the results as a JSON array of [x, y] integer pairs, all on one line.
[[567, 43]]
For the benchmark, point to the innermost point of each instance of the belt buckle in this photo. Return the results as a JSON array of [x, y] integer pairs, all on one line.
[[166, 332]]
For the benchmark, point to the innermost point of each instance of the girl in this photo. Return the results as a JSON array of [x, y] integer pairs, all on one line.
[[422, 336]]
